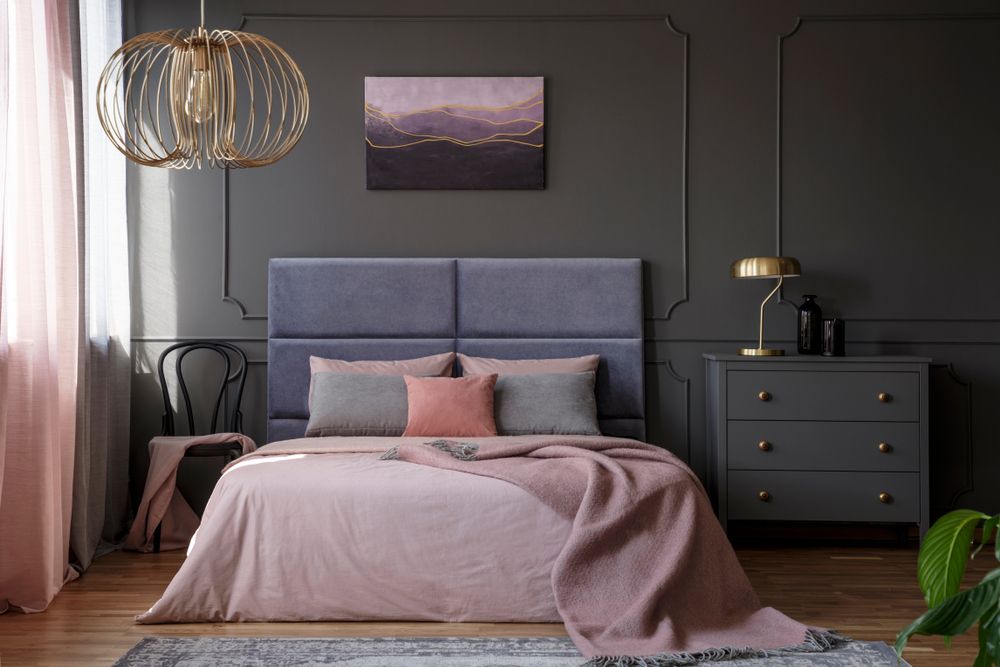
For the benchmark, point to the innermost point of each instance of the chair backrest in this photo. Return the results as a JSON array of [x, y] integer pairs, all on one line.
[[233, 379]]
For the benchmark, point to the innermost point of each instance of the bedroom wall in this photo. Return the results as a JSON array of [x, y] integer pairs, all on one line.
[[859, 136]]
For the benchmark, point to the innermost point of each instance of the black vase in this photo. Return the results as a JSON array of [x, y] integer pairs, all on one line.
[[810, 326]]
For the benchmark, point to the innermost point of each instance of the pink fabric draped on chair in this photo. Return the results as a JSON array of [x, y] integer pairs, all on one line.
[[46, 337]]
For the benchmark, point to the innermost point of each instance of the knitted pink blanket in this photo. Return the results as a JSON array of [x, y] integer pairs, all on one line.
[[646, 570], [160, 501]]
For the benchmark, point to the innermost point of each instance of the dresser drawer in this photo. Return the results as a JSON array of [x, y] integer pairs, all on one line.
[[797, 445], [823, 496], [823, 395]]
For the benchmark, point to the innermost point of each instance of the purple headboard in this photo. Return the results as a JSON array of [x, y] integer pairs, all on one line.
[[504, 308]]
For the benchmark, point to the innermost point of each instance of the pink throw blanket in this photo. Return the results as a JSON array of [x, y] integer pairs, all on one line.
[[646, 569], [160, 502]]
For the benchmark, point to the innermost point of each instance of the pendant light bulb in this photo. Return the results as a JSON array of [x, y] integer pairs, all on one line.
[[200, 103]]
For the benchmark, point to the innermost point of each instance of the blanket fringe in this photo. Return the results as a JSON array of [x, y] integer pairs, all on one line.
[[816, 641], [463, 451]]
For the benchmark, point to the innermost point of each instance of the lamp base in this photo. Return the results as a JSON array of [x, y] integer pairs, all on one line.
[[760, 352]]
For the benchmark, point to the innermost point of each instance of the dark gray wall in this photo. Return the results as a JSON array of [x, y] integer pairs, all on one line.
[[860, 137]]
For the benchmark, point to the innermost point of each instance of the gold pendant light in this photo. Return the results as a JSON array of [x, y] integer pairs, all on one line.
[[181, 98]]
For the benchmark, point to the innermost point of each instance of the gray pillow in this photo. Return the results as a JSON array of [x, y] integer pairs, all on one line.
[[357, 404], [546, 403]]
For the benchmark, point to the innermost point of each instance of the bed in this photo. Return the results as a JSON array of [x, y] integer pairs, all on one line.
[[611, 536], [404, 542]]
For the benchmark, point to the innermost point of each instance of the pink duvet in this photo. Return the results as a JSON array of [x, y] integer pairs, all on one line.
[[290, 535]]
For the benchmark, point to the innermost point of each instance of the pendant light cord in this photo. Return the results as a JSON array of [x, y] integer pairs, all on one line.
[[202, 13]]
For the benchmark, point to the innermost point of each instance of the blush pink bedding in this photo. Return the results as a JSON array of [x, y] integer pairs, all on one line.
[[291, 534], [614, 537]]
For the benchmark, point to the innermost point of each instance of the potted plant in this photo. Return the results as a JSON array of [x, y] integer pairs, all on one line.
[[940, 568]]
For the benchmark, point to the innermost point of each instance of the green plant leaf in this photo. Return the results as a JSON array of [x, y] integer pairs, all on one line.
[[943, 555], [956, 614], [988, 529], [989, 636], [996, 543], [983, 659]]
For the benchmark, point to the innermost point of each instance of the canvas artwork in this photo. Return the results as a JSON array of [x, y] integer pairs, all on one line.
[[462, 133]]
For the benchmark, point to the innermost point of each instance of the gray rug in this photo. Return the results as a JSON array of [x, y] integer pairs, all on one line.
[[436, 652]]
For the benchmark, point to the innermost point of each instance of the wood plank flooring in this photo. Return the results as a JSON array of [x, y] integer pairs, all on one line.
[[867, 593]]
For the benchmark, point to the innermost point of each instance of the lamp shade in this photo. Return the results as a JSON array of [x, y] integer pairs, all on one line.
[[765, 267], [184, 98]]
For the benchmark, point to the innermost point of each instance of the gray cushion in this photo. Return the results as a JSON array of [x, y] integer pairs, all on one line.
[[288, 369], [357, 405], [619, 375], [548, 403]]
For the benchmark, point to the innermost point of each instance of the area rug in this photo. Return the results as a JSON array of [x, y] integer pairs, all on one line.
[[440, 652]]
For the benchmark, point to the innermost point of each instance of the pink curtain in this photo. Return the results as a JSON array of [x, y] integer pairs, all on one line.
[[40, 306]]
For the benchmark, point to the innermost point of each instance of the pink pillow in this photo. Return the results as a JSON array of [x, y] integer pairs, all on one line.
[[437, 364], [450, 407], [485, 366]]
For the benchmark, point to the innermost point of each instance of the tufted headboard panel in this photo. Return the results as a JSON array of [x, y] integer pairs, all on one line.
[[352, 309]]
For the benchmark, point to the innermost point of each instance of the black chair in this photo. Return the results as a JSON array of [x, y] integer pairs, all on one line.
[[226, 414]]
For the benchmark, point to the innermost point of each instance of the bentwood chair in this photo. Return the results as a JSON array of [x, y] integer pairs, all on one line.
[[226, 414]]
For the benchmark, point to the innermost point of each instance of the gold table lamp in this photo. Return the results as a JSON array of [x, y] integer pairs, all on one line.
[[765, 267]]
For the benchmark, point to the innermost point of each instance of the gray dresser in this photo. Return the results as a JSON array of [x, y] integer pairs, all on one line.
[[818, 438]]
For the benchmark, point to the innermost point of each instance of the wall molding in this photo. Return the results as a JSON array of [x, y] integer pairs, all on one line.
[[779, 140], [452, 18], [177, 339], [245, 314], [853, 341], [226, 235], [213, 339], [649, 339], [677, 377], [685, 161]]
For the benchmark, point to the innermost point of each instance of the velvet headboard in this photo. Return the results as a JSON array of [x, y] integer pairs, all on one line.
[[503, 308]]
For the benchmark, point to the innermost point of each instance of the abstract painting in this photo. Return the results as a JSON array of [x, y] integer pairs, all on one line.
[[455, 133]]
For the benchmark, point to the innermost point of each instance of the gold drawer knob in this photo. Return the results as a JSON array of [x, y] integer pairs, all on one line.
[[884, 498], [764, 446], [764, 496], [884, 447], [883, 397], [764, 396]]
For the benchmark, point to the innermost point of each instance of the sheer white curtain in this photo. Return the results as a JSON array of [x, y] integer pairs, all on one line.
[[63, 302], [100, 497]]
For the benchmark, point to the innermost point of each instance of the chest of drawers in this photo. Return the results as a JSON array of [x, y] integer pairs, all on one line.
[[818, 438]]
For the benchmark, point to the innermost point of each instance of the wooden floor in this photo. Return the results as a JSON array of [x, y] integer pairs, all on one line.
[[867, 593]]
